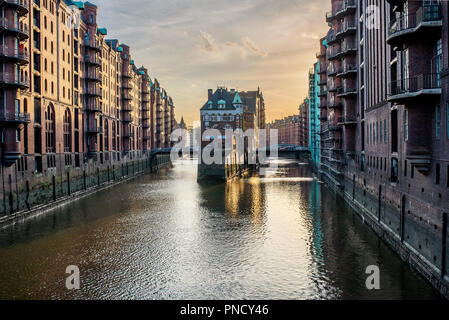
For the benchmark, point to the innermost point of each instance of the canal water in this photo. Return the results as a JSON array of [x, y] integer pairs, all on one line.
[[164, 236]]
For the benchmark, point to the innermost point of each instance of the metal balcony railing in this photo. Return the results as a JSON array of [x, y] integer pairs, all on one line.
[[346, 27], [13, 79], [92, 60], [11, 25], [22, 5], [414, 85], [127, 118], [94, 129], [93, 106], [93, 44], [427, 13], [15, 117], [11, 52], [93, 76]]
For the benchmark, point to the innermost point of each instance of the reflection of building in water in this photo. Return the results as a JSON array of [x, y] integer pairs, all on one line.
[[229, 110]]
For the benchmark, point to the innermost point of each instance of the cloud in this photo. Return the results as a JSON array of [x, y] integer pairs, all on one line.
[[208, 42], [251, 46]]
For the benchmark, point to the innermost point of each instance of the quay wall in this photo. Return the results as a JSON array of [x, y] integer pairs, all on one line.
[[22, 197], [403, 222]]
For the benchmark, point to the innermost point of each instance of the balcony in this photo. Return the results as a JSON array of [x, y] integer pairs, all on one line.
[[127, 108], [347, 92], [320, 55], [92, 60], [335, 105], [331, 39], [93, 107], [126, 96], [127, 118], [346, 29], [323, 93], [421, 86], [347, 7], [347, 71], [13, 80], [346, 49], [128, 135], [14, 118], [20, 30], [92, 44], [126, 85], [334, 88], [332, 71], [335, 127], [21, 6], [424, 24], [93, 92], [94, 130], [347, 120], [93, 76], [322, 69], [14, 55]]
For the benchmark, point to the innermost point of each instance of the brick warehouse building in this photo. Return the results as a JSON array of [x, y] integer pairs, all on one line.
[[385, 123], [72, 99]]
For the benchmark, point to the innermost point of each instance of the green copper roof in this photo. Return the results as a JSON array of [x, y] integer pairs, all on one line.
[[103, 31], [90, 3], [237, 99]]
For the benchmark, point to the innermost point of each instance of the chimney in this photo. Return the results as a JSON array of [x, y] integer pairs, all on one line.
[[209, 93]]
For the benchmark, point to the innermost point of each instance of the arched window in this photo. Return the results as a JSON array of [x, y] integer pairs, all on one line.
[[106, 135], [50, 129], [114, 136], [67, 131]]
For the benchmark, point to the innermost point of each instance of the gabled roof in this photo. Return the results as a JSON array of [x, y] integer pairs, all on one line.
[[220, 94]]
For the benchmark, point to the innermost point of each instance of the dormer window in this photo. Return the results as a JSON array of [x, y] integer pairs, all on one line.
[[210, 104], [221, 104]]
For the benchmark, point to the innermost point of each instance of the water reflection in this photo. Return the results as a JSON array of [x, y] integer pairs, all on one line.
[[165, 236]]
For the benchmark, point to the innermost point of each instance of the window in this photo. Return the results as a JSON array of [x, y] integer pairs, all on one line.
[[50, 129], [437, 173], [394, 170], [405, 125], [380, 133], [438, 59], [437, 122], [67, 131], [447, 120], [385, 131]]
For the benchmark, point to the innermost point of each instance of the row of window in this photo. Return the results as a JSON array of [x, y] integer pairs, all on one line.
[[378, 132]]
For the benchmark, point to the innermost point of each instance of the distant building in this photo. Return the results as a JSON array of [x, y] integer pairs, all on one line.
[[303, 128], [288, 130], [314, 115], [231, 110]]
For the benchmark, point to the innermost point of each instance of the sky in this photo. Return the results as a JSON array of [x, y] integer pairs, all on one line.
[[194, 45]]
